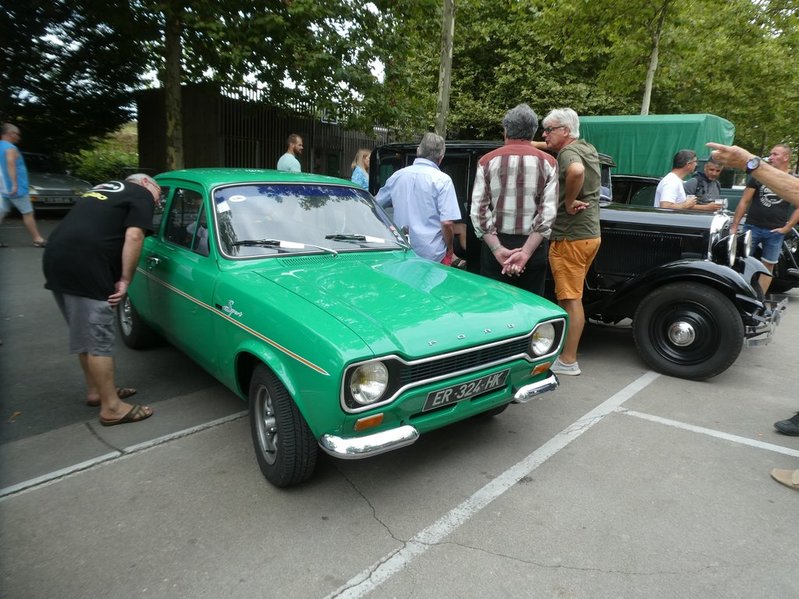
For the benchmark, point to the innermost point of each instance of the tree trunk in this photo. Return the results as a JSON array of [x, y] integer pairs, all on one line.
[[445, 70], [653, 57], [172, 79]]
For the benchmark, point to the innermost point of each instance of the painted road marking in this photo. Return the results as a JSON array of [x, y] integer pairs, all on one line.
[[56, 475], [712, 433], [392, 563]]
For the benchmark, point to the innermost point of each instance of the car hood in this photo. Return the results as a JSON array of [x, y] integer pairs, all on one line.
[[400, 302], [57, 182]]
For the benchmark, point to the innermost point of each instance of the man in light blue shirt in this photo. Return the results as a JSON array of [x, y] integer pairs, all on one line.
[[288, 162], [14, 183], [424, 200]]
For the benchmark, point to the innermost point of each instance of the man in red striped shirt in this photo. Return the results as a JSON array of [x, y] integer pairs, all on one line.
[[514, 203]]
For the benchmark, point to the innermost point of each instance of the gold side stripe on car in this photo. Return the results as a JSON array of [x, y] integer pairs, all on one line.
[[242, 326]]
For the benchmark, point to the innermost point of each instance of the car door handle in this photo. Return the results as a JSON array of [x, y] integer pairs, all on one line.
[[153, 261]]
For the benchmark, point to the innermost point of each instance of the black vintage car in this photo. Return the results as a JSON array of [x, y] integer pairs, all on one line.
[[640, 191], [688, 287]]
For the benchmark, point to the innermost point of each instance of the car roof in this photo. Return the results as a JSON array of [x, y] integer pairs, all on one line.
[[212, 177]]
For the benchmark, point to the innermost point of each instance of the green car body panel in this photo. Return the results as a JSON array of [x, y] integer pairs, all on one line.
[[309, 313]]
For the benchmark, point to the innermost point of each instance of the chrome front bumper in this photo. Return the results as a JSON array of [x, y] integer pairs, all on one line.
[[356, 448], [533, 390], [369, 445]]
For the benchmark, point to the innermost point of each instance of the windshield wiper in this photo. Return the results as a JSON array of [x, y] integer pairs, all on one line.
[[263, 242], [343, 237], [358, 238], [283, 244]]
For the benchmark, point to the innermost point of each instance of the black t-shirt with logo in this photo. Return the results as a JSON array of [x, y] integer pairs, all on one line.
[[767, 210], [84, 254]]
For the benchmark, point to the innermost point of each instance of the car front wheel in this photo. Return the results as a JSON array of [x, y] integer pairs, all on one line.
[[135, 333], [688, 330], [284, 445]]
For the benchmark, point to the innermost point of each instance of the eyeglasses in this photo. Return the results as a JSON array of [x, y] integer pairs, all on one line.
[[551, 129]]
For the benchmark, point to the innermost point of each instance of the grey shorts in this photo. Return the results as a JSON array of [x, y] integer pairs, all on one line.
[[23, 204], [91, 324]]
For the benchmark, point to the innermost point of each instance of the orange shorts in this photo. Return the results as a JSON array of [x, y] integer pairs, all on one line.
[[569, 262]]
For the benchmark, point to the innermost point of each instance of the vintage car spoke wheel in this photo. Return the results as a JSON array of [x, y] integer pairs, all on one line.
[[284, 445], [688, 330], [134, 331]]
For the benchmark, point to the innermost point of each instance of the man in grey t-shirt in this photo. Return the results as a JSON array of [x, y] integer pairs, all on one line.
[[705, 185]]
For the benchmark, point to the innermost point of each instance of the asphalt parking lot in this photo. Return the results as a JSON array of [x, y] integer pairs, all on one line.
[[622, 483]]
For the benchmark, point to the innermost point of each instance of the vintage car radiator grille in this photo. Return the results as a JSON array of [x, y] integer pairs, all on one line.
[[468, 360], [630, 252]]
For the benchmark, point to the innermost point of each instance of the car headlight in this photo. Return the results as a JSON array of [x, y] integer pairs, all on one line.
[[368, 382], [745, 244], [543, 339], [732, 248]]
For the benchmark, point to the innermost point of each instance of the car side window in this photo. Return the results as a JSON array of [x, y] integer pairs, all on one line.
[[186, 222]]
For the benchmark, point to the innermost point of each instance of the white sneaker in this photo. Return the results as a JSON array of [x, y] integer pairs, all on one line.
[[568, 369]]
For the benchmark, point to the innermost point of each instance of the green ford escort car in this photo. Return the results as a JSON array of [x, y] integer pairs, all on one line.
[[298, 293]]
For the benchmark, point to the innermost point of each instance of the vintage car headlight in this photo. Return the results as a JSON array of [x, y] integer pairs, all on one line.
[[543, 339], [368, 382], [744, 244], [722, 246]]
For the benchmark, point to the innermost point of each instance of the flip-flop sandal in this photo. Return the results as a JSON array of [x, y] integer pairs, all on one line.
[[40, 244], [122, 393], [136, 414]]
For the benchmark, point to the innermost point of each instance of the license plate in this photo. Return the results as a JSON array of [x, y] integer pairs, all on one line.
[[455, 393]]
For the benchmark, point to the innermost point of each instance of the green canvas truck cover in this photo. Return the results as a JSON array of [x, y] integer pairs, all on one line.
[[645, 145]]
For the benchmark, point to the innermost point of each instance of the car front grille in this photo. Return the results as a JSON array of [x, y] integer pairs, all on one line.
[[406, 374], [469, 360], [629, 253]]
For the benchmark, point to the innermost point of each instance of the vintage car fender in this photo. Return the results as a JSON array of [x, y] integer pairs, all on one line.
[[623, 302], [315, 407], [307, 360]]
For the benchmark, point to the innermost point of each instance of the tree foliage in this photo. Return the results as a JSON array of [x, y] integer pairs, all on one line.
[[71, 68], [731, 58], [114, 157], [68, 69]]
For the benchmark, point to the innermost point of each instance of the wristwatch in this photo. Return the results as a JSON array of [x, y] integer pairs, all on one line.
[[752, 164]]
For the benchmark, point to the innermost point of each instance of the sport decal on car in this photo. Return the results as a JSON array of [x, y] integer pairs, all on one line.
[[230, 310]]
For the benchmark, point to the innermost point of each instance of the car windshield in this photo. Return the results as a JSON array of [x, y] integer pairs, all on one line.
[[279, 218]]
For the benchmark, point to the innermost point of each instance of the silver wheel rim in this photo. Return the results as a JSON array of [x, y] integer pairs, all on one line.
[[682, 334], [266, 424], [126, 317]]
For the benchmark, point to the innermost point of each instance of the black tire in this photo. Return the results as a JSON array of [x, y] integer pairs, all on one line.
[[135, 333], [713, 332], [284, 445]]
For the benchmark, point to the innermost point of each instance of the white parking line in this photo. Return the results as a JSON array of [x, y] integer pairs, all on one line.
[[50, 477], [712, 433], [390, 564], [57, 474]]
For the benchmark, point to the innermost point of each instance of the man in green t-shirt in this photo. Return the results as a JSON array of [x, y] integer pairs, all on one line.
[[575, 235]]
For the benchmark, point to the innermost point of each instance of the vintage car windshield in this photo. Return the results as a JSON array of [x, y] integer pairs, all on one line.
[[277, 218]]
